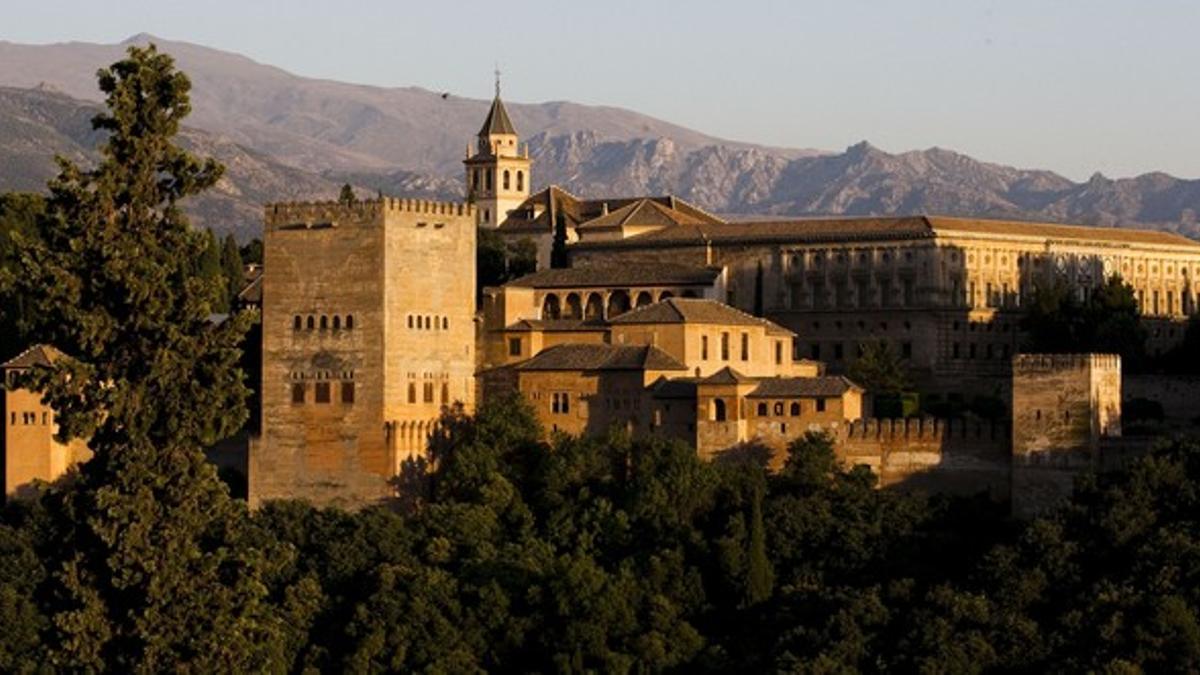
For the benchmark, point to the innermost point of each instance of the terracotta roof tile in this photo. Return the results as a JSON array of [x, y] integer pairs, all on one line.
[[726, 375], [497, 121], [37, 355], [802, 387], [601, 357], [694, 310]]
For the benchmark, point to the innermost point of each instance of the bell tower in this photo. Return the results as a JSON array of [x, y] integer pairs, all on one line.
[[498, 168]]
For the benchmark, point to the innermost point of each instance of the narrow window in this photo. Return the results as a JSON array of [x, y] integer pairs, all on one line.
[[762, 409], [410, 321], [520, 180], [514, 346], [322, 392], [506, 181], [795, 409], [349, 321], [445, 323], [778, 352], [779, 408], [337, 322], [554, 403], [445, 393], [412, 392], [566, 403], [703, 347], [312, 323], [718, 410], [820, 405], [724, 346], [428, 392], [745, 346], [324, 322], [475, 179], [347, 392], [298, 392], [14, 419], [296, 322], [487, 186]]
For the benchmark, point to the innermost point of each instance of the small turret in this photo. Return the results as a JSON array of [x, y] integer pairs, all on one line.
[[498, 174]]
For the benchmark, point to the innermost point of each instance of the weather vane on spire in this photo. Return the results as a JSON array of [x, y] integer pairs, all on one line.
[[497, 80]]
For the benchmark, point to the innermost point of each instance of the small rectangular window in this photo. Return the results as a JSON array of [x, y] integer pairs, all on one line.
[[724, 346], [347, 392], [820, 405], [554, 403], [322, 392], [514, 346], [745, 346], [778, 352], [703, 347], [298, 392], [429, 392], [565, 403]]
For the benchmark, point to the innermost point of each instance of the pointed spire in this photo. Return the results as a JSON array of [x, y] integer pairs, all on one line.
[[497, 121]]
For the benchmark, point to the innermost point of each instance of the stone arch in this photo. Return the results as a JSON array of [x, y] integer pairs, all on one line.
[[551, 307], [594, 309], [324, 322], [573, 309], [297, 322], [644, 298], [618, 303], [665, 295]]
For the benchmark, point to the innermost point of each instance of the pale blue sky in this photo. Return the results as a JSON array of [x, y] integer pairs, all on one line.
[[1070, 85]]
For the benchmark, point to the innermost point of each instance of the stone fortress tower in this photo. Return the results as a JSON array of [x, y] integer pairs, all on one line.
[[368, 331], [498, 172]]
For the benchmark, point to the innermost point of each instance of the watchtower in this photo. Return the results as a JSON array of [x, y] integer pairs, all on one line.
[[498, 171]]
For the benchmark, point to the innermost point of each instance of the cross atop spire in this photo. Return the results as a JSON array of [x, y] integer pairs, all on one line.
[[497, 80]]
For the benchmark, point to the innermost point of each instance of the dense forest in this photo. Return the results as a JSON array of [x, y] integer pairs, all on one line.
[[512, 553]]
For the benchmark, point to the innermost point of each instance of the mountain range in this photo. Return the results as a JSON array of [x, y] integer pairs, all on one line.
[[286, 137]]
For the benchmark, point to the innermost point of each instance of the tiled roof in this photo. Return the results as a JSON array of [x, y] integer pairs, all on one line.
[[642, 213], [802, 387], [633, 274], [674, 387], [251, 294], [497, 121], [694, 310], [37, 355], [802, 230], [553, 200], [726, 375], [557, 325], [601, 357]]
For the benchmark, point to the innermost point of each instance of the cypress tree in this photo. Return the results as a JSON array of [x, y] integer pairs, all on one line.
[[149, 567], [558, 249], [231, 266]]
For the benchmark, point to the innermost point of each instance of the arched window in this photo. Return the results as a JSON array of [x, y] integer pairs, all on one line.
[[506, 180], [337, 322], [475, 178], [445, 323], [324, 322], [718, 410], [410, 321], [779, 408], [296, 322], [487, 216], [312, 323], [796, 409], [349, 321], [520, 180], [487, 181], [762, 409]]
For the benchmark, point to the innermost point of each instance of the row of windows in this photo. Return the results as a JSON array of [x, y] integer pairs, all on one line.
[[860, 294], [427, 392], [322, 392], [427, 322], [743, 350], [838, 351], [793, 409], [485, 176], [30, 418], [973, 351], [312, 322]]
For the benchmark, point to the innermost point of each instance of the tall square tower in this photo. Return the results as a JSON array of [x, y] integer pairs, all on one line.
[[368, 334]]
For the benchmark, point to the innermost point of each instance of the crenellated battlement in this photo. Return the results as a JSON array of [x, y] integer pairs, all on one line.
[[331, 212], [1048, 363], [920, 429]]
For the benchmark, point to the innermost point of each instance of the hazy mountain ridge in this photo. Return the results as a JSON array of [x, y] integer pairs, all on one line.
[[289, 137]]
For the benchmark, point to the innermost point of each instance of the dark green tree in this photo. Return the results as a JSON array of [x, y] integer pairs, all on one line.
[[1107, 321], [147, 568], [19, 215], [346, 195], [880, 369], [558, 249], [231, 267], [522, 258], [252, 252], [758, 290]]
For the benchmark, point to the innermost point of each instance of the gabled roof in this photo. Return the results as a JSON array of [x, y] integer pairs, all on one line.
[[497, 121], [802, 387], [251, 293], [642, 213], [601, 357], [695, 310], [540, 210], [726, 375], [632, 274], [558, 325], [37, 355]]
